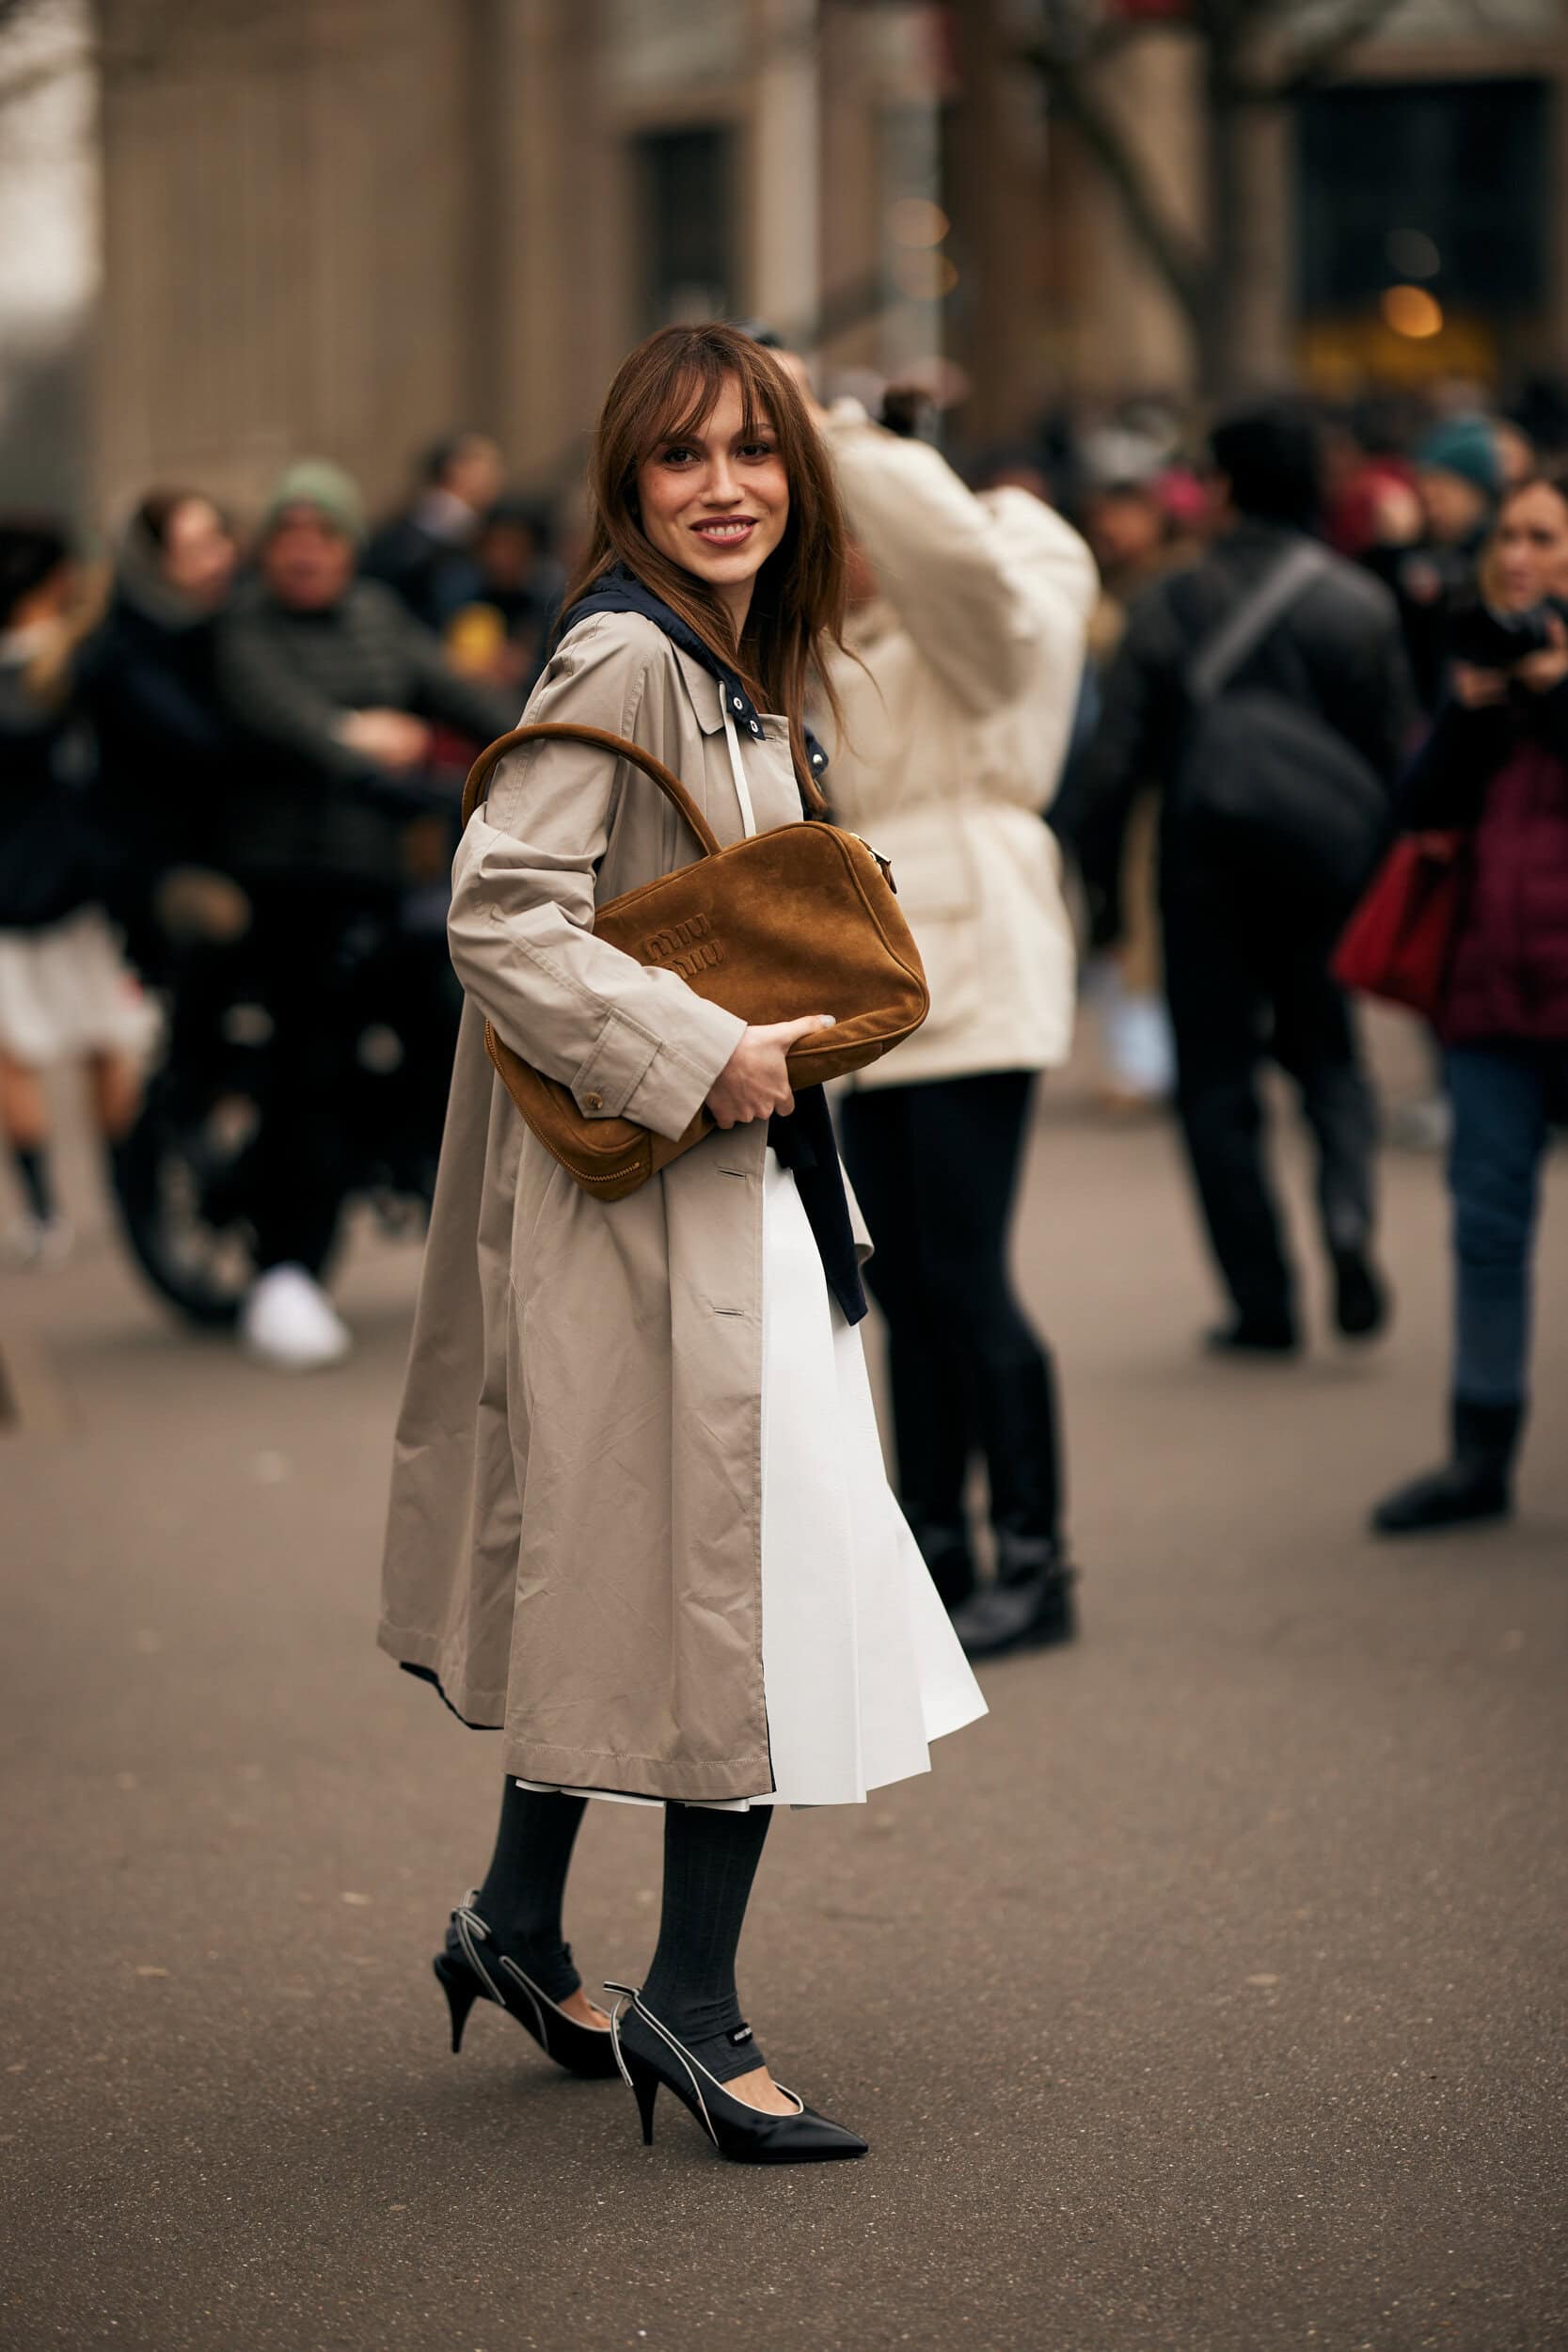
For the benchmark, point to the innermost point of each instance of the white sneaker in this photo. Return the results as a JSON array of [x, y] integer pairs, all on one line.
[[39, 1242], [289, 1320]]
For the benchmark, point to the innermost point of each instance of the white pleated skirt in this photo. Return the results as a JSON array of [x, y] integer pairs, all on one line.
[[861, 1670], [66, 991]]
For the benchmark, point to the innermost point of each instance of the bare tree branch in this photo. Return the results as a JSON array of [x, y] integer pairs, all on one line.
[[1321, 59], [1176, 257]]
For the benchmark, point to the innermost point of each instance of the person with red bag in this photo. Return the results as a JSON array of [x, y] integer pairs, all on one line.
[[1495, 770]]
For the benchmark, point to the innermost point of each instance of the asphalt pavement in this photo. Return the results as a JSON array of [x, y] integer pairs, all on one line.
[[1207, 1996]]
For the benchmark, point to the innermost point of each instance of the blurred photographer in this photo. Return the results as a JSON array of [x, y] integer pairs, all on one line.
[[1497, 768]]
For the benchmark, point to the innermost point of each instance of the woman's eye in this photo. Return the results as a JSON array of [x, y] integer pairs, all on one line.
[[756, 450], [678, 455]]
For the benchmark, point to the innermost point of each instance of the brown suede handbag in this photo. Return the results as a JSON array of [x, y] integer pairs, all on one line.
[[801, 919]]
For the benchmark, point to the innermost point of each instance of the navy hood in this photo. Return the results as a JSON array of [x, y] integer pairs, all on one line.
[[620, 591]]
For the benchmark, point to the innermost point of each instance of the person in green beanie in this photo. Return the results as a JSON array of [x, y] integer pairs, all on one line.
[[337, 690], [317, 482]]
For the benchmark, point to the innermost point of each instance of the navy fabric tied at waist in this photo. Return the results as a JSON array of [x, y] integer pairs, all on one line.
[[806, 1145]]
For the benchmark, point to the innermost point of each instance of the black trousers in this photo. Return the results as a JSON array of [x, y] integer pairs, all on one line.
[[310, 947], [1245, 986], [936, 1169]]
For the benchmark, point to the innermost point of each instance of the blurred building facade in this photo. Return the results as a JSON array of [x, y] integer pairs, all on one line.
[[349, 225]]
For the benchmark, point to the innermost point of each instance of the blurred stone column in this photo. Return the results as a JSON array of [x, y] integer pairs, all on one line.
[[996, 189], [557, 287], [286, 218], [785, 165]]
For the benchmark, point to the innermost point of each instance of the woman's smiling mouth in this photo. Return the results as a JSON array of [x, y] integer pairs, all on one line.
[[727, 531]]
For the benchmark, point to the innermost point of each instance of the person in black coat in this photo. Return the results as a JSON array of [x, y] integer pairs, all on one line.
[[65, 994], [147, 681], [1247, 976]]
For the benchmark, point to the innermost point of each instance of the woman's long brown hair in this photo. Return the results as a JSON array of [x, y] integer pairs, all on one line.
[[665, 390]]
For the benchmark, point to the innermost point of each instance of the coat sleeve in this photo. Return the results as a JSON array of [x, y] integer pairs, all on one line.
[[274, 704], [630, 1043], [1375, 702], [436, 689], [985, 599], [1134, 746]]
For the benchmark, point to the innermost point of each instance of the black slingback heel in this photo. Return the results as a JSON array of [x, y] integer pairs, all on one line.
[[474, 1969], [741, 2133]]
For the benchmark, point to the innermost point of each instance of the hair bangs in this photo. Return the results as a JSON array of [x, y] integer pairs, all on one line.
[[695, 387]]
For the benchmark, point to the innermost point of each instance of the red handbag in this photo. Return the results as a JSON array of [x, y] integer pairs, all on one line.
[[1400, 942]]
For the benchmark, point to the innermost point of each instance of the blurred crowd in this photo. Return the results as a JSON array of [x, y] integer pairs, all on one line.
[[232, 773]]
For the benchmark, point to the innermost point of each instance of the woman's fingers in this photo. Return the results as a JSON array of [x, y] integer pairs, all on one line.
[[754, 1083], [789, 1032]]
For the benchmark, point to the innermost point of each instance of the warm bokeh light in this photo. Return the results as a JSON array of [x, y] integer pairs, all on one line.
[[915, 221], [1411, 310], [923, 277]]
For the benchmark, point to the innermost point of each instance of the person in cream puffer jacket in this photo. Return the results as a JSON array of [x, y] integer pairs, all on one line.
[[970, 640]]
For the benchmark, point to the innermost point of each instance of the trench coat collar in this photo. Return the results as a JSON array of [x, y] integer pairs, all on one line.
[[619, 590]]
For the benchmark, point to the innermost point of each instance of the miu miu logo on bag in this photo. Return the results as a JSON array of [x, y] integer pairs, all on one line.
[[686, 948]]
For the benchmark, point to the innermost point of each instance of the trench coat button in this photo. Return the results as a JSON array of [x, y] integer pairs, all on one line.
[[593, 1102]]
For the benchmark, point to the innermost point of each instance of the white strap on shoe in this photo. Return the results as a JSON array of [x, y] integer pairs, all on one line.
[[472, 1929], [693, 2065]]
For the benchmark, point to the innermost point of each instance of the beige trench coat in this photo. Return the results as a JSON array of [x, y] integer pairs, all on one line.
[[573, 1548]]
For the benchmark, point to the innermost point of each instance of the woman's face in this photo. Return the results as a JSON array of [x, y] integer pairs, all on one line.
[[198, 553], [717, 502], [1529, 555]]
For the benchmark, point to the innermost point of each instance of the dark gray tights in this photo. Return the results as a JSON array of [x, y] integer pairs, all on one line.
[[710, 1860], [521, 1898]]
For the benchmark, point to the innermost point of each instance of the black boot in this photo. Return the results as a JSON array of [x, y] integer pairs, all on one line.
[[1362, 1301], [1252, 1334], [1030, 1605], [1475, 1483], [945, 1552]]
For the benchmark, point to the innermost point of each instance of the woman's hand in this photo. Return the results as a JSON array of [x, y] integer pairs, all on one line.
[[1479, 689], [1544, 672], [754, 1082]]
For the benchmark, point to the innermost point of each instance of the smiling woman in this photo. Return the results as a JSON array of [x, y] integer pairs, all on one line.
[[716, 501], [639, 1520]]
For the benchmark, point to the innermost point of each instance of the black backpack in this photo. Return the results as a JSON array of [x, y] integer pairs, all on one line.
[[1266, 788]]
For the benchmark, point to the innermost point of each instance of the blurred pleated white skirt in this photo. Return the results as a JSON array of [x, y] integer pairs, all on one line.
[[67, 990], [861, 1670]]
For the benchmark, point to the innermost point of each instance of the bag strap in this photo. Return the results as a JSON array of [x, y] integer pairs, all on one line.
[[1254, 616], [669, 784]]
